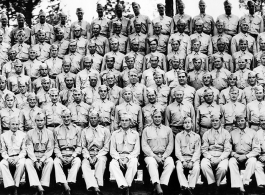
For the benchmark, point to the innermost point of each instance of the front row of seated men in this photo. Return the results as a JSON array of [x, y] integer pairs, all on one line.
[[242, 147]]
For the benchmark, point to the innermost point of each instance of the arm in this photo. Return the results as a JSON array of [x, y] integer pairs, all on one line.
[[113, 152], [227, 146], [255, 147], [136, 150], [88, 35], [170, 145], [78, 148], [104, 151], [178, 148], [4, 149], [205, 146], [233, 45], [167, 116], [50, 147], [197, 153], [145, 146], [30, 147], [57, 150], [164, 62], [85, 152], [140, 121], [23, 148]]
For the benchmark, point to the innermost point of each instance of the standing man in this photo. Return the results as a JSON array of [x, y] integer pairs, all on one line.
[[97, 59], [13, 150], [101, 21], [249, 92], [40, 145], [81, 42], [157, 152], [61, 42], [67, 148], [66, 29], [95, 146], [124, 150]]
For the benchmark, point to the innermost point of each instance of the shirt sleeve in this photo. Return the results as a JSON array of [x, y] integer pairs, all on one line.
[[4, 149], [170, 145], [104, 151], [23, 151], [178, 148], [255, 147], [227, 146], [113, 151], [50, 147], [136, 150], [57, 150], [78, 148], [145, 146], [205, 146], [30, 147], [197, 153]]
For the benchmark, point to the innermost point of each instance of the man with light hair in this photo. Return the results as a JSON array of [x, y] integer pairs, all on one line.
[[102, 21], [249, 92], [40, 145], [95, 146], [42, 47], [157, 153], [64, 26], [81, 41], [61, 40], [85, 26], [97, 59], [67, 148], [43, 95], [13, 151], [124, 157], [21, 47], [216, 148], [90, 93]]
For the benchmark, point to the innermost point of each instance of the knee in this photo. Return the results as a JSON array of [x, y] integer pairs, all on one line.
[[22, 161], [133, 162], [205, 163], [77, 161], [252, 161], [232, 162], [150, 161], [170, 162], [49, 161], [102, 159], [196, 166], [57, 161], [113, 163], [28, 162]]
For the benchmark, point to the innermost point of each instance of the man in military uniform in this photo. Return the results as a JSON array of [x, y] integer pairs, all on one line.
[[124, 21], [42, 47], [246, 148], [231, 109], [188, 152], [145, 20], [95, 147], [40, 145], [29, 112], [61, 42], [256, 108], [7, 113], [43, 96], [8, 68], [178, 110], [97, 59], [249, 92], [4, 50], [5, 28], [105, 108], [90, 93], [82, 78], [158, 153], [21, 26], [242, 73], [208, 26], [3, 91], [123, 40], [74, 57], [45, 27], [67, 148], [31, 67], [114, 92], [195, 77], [216, 148], [21, 97], [129, 107], [102, 43], [185, 17], [101, 21], [204, 112], [66, 29], [163, 19], [13, 151], [66, 95], [260, 70], [171, 77], [85, 26], [81, 42], [124, 150], [53, 109], [21, 47], [79, 109]]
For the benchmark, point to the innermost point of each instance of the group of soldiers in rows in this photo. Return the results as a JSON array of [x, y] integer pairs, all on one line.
[[181, 88]]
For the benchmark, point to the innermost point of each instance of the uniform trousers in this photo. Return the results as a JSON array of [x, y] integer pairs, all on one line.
[[194, 175], [59, 173], [94, 179], [8, 179], [152, 166], [207, 170], [236, 181], [45, 173], [259, 173], [129, 175]]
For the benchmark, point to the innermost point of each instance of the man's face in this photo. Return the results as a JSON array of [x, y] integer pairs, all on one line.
[[94, 120], [221, 46], [135, 47], [54, 97], [22, 88], [110, 63], [262, 123], [93, 82], [153, 46], [197, 64], [92, 49], [66, 67], [12, 55], [18, 68], [41, 37], [207, 80], [216, 123], [10, 102], [187, 124], [130, 63], [137, 27], [125, 123], [2, 85], [77, 96], [199, 27], [14, 125], [80, 15], [4, 21], [161, 10], [242, 64], [202, 8], [103, 93], [251, 9], [21, 38], [243, 46], [259, 95], [228, 9], [96, 30], [100, 11], [63, 19], [20, 21], [69, 82], [208, 98], [218, 63], [157, 29], [87, 64], [241, 123], [119, 11], [110, 80], [232, 81], [117, 29], [77, 33], [244, 28], [151, 98], [262, 60], [127, 96], [43, 71], [175, 46], [32, 55], [175, 64], [66, 119], [181, 9], [154, 62], [136, 9], [72, 47], [182, 79], [54, 53], [42, 19], [252, 80], [179, 96], [233, 95], [60, 35], [220, 28], [32, 101], [181, 27], [40, 122], [157, 118], [133, 78], [196, 46], [159, 80], [262, 45], [114, 46]]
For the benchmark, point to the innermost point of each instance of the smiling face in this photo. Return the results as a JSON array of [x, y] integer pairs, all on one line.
[[216, 123], [187, 124], [241, 123], [66, 119], [157, 118]]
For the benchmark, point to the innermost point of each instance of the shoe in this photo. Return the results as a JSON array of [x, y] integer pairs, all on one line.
[[182, 192], [41, 192], [67, 192], [98, 193], [190, 191], [15, 191]]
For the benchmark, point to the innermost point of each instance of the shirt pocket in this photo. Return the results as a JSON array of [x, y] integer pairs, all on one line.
[[131, 142]]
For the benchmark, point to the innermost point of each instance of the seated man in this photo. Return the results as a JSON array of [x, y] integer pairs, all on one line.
[[157, 144], [216, 148], [188, 152], [67, 148], [13, 150], [40, 149], [95, 147], [124, 150], [246, 148]]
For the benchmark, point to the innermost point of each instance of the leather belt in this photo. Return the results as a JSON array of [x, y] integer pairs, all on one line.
[[53, 125]]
